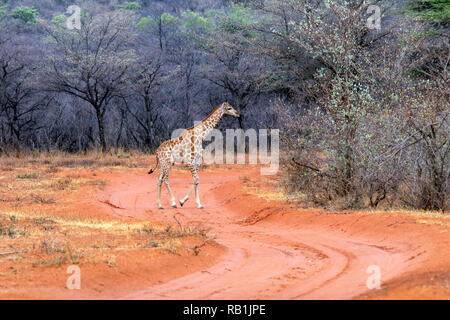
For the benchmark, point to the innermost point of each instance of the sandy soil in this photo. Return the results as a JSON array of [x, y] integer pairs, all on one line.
[[264, 248], [55, 219], [275, 251]]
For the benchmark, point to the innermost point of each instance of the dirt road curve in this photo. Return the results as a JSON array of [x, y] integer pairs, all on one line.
[[277, 252]]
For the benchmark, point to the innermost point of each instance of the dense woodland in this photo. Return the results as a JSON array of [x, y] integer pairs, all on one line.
[[363, 112]]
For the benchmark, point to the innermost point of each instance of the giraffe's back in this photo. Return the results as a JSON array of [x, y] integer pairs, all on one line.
[[171, 149], [180, 149]]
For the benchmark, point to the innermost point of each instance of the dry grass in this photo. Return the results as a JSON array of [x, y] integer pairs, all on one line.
[[268, 189], [420, 216], [45, 218], [57, 160], [59, 240], [267, 194], [272, 190]]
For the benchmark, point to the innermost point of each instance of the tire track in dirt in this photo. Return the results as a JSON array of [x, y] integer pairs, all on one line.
[[267, 259]]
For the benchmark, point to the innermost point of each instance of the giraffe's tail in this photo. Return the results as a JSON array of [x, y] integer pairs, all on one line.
[[153, 170]]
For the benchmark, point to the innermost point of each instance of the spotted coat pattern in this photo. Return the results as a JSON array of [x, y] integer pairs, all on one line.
[[187, 148]]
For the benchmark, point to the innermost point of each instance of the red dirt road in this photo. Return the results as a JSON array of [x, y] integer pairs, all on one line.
[[278, 252]]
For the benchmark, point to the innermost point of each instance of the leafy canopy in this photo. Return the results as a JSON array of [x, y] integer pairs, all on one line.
[[26, 14], [132, 6], [437, 11]]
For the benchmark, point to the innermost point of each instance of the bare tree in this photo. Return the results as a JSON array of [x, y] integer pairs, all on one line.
[[146, 85], [19, 98], [92, 63], [235, 66]]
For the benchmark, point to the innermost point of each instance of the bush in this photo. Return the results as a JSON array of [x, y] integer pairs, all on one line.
[[366, 131], [132, 6], [26, 14], [437, 11], [59, 19]]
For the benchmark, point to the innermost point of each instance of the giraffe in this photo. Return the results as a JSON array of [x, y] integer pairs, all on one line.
[[187, 148]]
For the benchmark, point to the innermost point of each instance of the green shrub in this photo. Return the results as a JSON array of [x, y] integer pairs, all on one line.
[[133, 6], [121, 155], [33, 175], [26, 14], [59, 19], [437, 11]]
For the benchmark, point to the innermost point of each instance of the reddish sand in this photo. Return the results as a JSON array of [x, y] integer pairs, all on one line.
[[277, 252], [265, 249]]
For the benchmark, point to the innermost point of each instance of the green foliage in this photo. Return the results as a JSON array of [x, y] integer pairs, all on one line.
[[3, 10], [26, 14], [164, 20], [437, 11], [145, 23], [193, 21], [123, 156], [132, 6], [59, 19], [33, 175], [168, 19], [234, 19], [239, 16]]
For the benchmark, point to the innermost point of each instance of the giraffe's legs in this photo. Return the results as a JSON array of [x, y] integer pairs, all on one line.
[[164, 177], [172, 197], [159, 183], [182, 201], [194, 186], [197, 195], [196, 181]]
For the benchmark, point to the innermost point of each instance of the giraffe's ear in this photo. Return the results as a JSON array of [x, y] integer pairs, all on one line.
[[223, 105]]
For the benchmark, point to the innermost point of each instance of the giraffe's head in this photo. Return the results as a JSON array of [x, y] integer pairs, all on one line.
[[228, 109]]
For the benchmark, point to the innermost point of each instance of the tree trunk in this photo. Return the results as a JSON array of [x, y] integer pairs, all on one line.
[[149, 140], [242, 137], [101, 131], [241, 120], [119, 135]]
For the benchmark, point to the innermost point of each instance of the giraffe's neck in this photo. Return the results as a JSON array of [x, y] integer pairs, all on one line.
[[210, 122]]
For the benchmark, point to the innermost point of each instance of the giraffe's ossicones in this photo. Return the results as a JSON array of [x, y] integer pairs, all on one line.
[[187, 148]]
